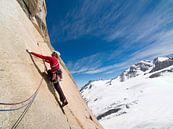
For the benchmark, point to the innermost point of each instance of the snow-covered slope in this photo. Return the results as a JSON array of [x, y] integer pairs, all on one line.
[[142, 101]]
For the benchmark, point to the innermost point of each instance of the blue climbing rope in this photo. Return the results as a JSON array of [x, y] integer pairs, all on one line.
[[21, 102]]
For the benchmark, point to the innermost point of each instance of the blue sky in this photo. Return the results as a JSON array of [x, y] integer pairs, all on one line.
[[99, 39]]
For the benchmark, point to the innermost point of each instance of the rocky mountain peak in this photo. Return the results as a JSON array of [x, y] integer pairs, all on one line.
[[161, 63], [88, 85], [160, 59], [135, 70]]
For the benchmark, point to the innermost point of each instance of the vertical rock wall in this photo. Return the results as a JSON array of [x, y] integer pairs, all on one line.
[[20, 76]]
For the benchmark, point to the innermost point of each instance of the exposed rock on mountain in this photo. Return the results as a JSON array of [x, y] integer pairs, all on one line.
[[145, 67], [135, 70], [141, 100], [86, 86], [161, 63], [36, 12]]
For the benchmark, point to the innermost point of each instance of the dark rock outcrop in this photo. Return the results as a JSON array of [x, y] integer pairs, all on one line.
[[158, 74], [36, 12], [161, 64], [134, 70]]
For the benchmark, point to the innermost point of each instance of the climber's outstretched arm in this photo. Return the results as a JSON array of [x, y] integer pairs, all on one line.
[[46, 58]]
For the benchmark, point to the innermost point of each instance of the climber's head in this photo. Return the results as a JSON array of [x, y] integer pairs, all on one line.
[[56, 54]]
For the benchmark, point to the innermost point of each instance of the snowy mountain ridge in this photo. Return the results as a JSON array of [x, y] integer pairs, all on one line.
[[138, 100], [135, 70]]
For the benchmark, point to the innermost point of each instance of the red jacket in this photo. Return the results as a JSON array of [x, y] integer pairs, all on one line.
[[53, 61]]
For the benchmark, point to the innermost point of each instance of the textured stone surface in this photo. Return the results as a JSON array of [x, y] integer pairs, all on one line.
[[19, 78], [30, 6], [36, 12]]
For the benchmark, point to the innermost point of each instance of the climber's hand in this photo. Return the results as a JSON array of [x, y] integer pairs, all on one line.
[[29, 51]]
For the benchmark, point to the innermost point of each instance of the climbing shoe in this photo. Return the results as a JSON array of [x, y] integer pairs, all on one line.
[[64, 103]]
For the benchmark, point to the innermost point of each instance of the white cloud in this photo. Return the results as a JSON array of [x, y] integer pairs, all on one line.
[[162, 47], [98, 17], [116, 19], [109, 19], [86, 64]]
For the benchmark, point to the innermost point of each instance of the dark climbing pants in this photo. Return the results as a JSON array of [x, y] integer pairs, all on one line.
[[57, 87], [60, 92]]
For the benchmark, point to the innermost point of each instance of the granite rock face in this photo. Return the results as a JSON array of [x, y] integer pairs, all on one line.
[[21, 74], [36, 12]]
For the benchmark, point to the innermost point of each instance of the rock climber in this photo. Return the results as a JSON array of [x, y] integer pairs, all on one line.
[[55, 73]]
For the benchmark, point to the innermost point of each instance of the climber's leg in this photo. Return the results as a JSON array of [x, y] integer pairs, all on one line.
[[49, 73], [61, 94]]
